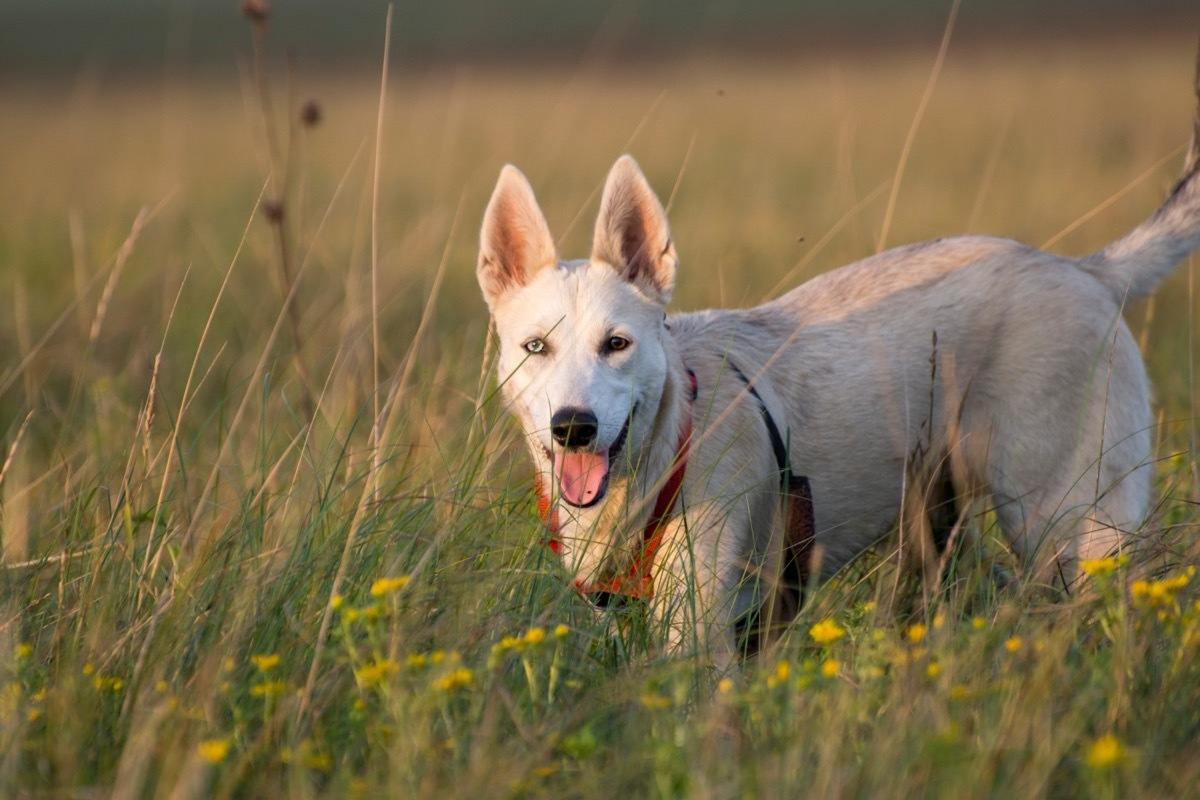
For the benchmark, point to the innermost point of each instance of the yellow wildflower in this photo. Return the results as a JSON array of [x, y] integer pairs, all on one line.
[[460, 678], [213, 751], [1105, 752], [826, 632], [1159, 593], [782, 670], [933, 669], [978, 623], [106, 684], [561, 632], [1098, 567], [265, 663], [725, 686], [1013, 644], [917, 632], [88, 669], [336, 602], [374, 673], [830, 668], [386, 586], [535, 636], [268, 689], [24, 651]]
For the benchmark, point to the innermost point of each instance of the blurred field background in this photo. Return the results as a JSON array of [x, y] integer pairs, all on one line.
[[190, 479]]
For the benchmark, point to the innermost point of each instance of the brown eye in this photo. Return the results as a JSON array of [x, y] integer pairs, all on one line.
[[617, 343]]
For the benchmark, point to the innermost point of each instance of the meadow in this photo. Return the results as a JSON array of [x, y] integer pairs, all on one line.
[[266, 528]]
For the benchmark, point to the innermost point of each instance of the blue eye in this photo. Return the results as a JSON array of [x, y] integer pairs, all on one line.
[[535, 346]]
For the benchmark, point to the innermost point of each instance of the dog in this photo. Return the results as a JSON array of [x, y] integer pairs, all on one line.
[[672, 452]]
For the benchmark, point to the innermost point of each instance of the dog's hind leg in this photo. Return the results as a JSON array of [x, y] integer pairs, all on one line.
[[1081, 502]]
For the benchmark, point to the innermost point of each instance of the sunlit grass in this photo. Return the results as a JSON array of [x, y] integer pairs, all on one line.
[[175, 521]]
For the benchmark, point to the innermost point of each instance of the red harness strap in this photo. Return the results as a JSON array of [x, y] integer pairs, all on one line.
[[638, 582]]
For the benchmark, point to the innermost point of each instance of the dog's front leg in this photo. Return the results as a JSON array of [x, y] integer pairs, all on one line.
[[700, 587]]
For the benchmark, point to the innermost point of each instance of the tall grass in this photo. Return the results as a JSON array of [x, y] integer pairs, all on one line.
[[176, 515]]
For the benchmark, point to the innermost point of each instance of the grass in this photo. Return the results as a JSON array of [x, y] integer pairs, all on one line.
[[209, 589]]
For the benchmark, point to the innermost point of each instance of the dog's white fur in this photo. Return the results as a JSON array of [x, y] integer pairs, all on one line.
[[1010, 366]]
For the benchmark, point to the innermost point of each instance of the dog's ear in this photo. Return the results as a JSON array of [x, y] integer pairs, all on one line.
[[515, 241], [632, 233]]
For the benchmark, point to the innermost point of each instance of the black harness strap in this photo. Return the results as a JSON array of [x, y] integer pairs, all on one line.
[[799, 532], [782, 457]]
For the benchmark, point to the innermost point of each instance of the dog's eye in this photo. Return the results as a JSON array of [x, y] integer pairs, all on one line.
[[617, 343], [535, 346]]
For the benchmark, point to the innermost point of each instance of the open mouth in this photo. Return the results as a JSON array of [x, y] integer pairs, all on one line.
[[582, 476]]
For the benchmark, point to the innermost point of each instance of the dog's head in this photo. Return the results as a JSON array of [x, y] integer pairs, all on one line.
[[581, 362]]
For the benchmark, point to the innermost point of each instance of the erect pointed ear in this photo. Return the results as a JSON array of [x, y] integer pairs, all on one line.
[[515, 241], [632, 233]]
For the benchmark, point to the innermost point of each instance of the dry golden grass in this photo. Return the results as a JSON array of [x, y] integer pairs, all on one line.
[[171, 509]]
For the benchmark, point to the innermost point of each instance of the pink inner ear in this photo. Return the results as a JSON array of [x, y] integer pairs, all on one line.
[[515, 240]]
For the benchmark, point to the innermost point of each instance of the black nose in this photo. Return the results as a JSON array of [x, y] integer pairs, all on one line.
[[574, 427]]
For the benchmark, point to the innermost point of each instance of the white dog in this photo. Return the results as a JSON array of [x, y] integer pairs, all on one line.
[[973, 366]]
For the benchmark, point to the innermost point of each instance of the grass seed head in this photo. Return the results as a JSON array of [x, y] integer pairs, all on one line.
[[310, 114], [257, 11]]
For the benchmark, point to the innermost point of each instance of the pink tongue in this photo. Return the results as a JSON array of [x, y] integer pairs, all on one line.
[[580, 475]]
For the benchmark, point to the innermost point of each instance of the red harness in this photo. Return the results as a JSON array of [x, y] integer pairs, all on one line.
[[638, 581]]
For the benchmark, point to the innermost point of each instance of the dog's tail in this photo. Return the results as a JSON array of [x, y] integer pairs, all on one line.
[[1136, 263]]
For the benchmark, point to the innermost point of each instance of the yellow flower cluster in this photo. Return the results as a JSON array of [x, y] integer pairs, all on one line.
[[108, 683], [1159, 594], [374, 673], [916, 632], [782, 670], [1102, 567], [531, 639], [386, 586], [826, 632], [460, 678]]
